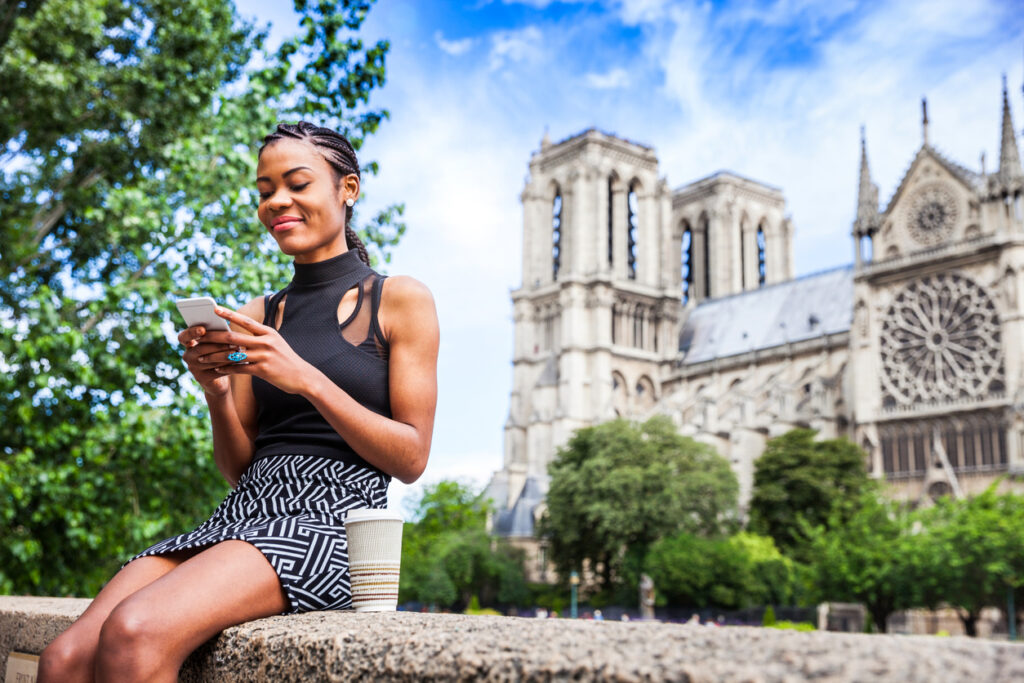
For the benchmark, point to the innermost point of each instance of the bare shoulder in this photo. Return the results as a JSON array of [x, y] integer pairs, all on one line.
[[253, 309], [405, 303], [405, 289]]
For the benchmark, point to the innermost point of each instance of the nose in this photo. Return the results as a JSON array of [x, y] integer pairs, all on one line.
[[279, 200]]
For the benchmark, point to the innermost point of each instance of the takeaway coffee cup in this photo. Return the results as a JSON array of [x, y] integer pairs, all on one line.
[[374, 558]]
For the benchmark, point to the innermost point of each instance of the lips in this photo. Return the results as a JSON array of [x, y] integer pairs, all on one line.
[[282, 223]]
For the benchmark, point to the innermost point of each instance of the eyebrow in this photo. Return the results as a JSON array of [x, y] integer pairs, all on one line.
[[286, 173]]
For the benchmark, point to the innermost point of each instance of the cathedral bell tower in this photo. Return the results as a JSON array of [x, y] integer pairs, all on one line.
[[597, 315]]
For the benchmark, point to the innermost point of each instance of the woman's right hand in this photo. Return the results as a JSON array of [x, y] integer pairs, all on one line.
[[213, 383]]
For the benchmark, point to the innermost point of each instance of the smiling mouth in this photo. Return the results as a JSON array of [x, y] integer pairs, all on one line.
[[285, 225]]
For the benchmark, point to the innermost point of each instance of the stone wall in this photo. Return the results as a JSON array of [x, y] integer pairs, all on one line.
[[407, 646]]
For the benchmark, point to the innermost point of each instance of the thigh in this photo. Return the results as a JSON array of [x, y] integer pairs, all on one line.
[[76, 646], [226, 584], [133, 576]]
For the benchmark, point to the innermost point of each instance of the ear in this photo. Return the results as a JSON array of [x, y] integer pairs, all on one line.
[[348, 187]]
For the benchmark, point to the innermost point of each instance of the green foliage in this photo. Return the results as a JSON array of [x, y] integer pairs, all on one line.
[[799, 478], [618, 487], [448, 559], [129, 132], [552, 597], [865, 554], [970, 553], [793, 625], [475, 608], [769, 616], [732, 572]]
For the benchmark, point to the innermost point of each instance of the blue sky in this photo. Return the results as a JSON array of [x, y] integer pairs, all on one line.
[[776, 91]]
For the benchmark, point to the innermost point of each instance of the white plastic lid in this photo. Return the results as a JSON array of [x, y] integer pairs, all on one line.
[[371, 514]]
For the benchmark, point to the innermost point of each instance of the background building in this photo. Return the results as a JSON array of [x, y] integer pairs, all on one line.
[[640, 300]]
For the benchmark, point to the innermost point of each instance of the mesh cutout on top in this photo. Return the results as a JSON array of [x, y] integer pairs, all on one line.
[[357, 316]]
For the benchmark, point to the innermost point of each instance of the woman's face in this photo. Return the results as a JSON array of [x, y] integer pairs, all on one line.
[[299, 201]]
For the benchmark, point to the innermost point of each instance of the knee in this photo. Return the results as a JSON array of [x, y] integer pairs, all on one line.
[[127, 633], [67, 658]]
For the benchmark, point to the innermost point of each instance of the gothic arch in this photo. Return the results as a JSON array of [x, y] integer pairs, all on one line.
[[553, 188], [645, 392], [705, 253], [620, 394], [687, 261], [633, 193], [557, 229], [761, 242]]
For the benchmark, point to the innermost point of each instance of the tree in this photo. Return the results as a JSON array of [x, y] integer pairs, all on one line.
[[618, 487], [865, 552], [972, 553], [129, 130], [797, 477], [448, 559], [729, 572]]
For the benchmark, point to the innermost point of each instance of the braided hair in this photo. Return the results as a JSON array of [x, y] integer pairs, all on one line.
[[338, 152]]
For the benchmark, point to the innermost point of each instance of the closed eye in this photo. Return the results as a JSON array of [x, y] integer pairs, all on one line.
[[295, 188]]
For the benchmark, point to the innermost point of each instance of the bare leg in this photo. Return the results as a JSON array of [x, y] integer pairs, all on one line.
[[149, 634], [71, 655]]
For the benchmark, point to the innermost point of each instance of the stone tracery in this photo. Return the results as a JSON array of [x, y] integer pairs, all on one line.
[[940, 342]]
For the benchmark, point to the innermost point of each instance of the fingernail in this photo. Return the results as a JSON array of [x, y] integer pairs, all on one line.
[[202, 359]]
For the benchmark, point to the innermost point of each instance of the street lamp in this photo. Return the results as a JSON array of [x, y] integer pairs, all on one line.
[[574, 581]]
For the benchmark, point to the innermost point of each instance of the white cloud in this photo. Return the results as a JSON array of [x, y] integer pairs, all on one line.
[[457, 147], [453, 47], [616, 78], [518, 45], [797, 126]]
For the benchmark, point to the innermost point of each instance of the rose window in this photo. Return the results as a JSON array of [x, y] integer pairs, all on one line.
[[940, 342], [933, 213]]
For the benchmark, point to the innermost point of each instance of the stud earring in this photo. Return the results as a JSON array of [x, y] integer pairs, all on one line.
[[350, 201]]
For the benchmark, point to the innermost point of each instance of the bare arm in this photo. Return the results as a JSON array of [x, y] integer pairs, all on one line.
[[399, 445], [232, 406]]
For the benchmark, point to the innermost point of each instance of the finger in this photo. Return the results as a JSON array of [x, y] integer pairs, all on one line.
[[220, 356], [222, 338], [243, 321], [191, 334], [204, 348], [235, 369]]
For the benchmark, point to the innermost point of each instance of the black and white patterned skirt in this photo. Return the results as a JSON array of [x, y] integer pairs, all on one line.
[[292, 507]]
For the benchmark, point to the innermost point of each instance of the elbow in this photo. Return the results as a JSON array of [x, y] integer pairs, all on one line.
[[414, 470]]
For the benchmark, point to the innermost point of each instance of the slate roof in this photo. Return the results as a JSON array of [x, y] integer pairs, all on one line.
[[806, 307], [518, 520]]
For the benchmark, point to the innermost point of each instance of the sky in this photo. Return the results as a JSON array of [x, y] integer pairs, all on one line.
[[774, 91]]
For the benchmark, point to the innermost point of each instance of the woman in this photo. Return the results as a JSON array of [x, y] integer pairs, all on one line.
[[318, 395]]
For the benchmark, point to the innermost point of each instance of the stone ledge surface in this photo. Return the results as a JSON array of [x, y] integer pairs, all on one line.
[[406, 646]]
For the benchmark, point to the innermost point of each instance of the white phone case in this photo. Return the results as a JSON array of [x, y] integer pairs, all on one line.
[[199, 311]]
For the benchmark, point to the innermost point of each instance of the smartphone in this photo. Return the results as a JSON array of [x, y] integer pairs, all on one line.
[[199, 311]]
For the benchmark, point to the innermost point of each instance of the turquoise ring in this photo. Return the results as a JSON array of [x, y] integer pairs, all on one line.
[[237, 356]]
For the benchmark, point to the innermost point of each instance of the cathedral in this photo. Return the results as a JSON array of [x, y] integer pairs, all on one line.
[[638, 300]]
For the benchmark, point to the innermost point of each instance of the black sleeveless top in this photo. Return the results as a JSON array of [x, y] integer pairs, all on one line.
[[353, 354]]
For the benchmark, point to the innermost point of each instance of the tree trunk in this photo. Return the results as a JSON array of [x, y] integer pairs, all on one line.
[[878, 618], [970, 622]]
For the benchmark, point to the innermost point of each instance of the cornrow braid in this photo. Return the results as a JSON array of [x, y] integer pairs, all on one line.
[[338, 152]]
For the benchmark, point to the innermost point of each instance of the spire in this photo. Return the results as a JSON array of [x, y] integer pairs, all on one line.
[[1009, 156], [867, 195], [924, 119]]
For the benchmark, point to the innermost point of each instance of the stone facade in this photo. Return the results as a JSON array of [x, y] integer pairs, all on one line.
[[640, 300]]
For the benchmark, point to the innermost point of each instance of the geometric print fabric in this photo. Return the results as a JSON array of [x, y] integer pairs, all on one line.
[[292, 507]]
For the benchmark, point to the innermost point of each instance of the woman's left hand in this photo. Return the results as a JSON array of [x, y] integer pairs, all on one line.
[[268, 355]]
